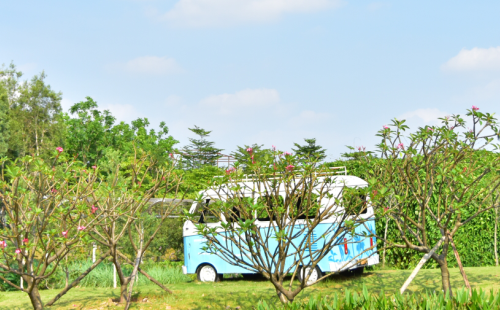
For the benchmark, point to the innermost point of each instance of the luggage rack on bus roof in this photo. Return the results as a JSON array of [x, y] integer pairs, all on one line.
[[335, 171]]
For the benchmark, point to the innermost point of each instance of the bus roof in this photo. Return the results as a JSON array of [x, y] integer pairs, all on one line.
[[339, 181]]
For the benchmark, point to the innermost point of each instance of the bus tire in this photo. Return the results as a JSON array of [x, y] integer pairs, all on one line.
[[207, 273], [315, 275]]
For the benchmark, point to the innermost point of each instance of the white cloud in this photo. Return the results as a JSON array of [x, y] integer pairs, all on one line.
[[196, 13], [476, 59], [152, 65], [428, 116], [122, 112], [243, 101]]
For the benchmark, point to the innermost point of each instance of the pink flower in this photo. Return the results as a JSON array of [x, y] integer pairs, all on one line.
[[230, 170], [250, 150], [430, 128], [65, 234], [287, 153], [401, 146], [171, 155], [3, 244], [80, 228], [59, 149], [84, 170], [474, 108], [53, 190], [385, 127], [18, 251], [94, 167], [274, 148], [361, 148], [25, 240], [290, 167], [93, 209]]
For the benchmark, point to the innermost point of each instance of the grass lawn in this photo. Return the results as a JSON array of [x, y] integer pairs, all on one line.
[[232, 293]]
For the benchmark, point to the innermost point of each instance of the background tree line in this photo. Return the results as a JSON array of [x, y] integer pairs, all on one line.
[[32, 123]]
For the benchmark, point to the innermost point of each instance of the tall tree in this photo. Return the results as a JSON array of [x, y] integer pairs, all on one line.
[[201, 151], [310, 150], [157, 143], [89, 132], [9, 78], [35, 117]]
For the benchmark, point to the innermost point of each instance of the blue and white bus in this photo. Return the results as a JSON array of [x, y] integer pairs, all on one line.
[[354, 254]]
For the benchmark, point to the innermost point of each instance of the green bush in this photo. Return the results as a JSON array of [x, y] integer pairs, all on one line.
[[5, 287], [474, 241], [102, 275]]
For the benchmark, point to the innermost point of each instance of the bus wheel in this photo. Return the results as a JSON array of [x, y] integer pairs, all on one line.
[[313, 277], [207, 273]]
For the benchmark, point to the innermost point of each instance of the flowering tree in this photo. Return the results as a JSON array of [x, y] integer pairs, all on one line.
[[268, 224], [435, 181], [45, 214], [121, 206]]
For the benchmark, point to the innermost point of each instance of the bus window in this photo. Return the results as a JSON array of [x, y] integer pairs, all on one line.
[[237, 209], [305, 209], [268, 203], [203, 214]]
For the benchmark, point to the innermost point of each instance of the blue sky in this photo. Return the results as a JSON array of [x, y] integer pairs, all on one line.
[[264, 71]]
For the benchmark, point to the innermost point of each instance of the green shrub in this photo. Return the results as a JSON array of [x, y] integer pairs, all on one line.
[[14, 278], [102, 275], [363, 300]]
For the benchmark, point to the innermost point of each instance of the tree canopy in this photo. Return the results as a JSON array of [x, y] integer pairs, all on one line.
[[201, 151], [310, 150]]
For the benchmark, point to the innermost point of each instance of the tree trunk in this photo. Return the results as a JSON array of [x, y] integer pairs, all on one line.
[[123, 292], [459, 262], [283, 298], [385, 238], [445, 277], [424, 259], [134, 272], [495, 237], [36, 300]]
